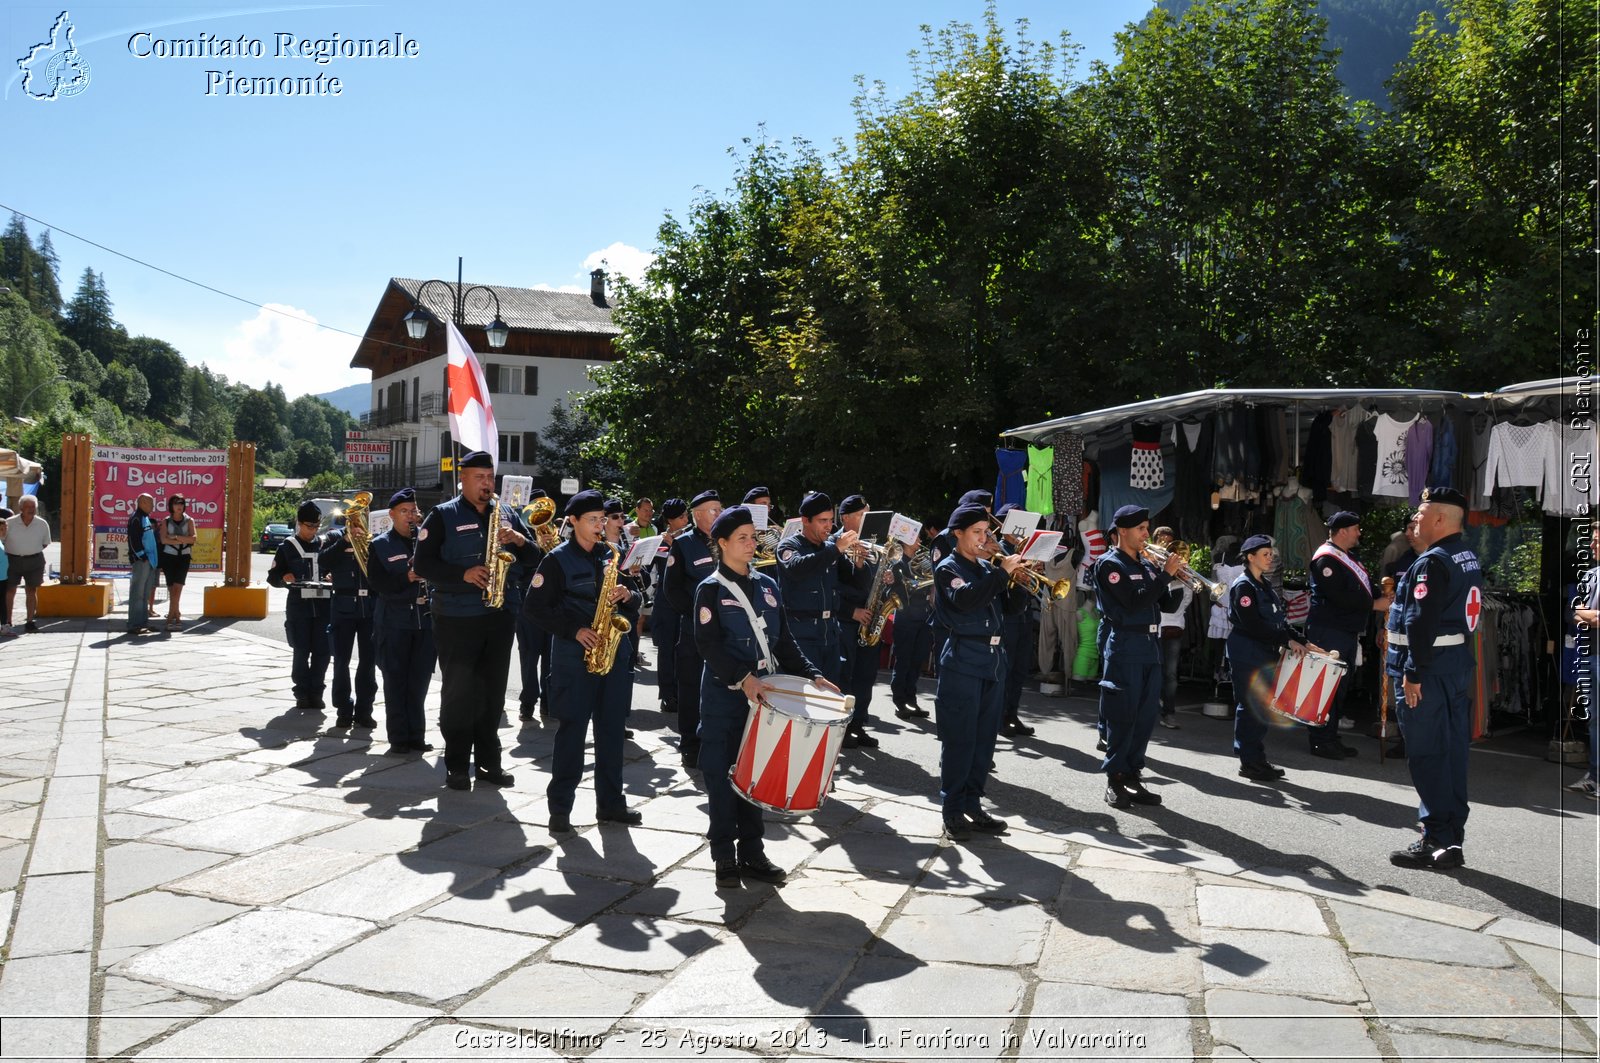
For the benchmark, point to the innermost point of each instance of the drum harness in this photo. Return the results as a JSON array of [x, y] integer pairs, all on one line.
[[757, 624]]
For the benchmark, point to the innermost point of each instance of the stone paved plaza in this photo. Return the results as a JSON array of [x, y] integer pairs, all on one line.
[[193, 871]]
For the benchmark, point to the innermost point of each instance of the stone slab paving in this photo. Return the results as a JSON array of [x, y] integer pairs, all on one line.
[[199, 872]]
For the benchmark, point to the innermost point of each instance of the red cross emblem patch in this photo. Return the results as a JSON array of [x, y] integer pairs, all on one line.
[[1474, 607]]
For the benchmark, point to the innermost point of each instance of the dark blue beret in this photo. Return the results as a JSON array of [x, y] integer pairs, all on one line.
[[1130, 517], [976, 497], [1254, 543], [1448, 496], [477, 459], [614, 505], [755, 493], [308, 513], [731, 520], [585, 502], [1343, 519], [965, 516], [1000, 514], [851, 504], [814, 504], [673, 508], [703, 497], [402, 496]]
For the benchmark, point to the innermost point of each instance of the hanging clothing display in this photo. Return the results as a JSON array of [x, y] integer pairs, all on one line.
[[1366, 456], [1010, 486], [1342, 432], [1235, 456], [1569, 476], [1067, 480], [1390, 480], [1191, 488], [1145, 472], [1442, 466], [1519, 455], [1481, 430], [1041, 475], [1116, 491], [1316, 466], [1419, 452], [1296, 532]]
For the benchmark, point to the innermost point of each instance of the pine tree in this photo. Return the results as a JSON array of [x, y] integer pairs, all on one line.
[[47, 278], [17, 258], [89, 322]]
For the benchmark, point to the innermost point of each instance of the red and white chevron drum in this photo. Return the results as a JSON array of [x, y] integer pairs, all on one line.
[[790, 746], [1306, 685]]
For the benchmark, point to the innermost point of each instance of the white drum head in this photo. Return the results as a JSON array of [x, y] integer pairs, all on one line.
[[799, 697]]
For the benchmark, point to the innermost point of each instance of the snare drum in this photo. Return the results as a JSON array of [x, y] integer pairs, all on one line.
[[790, 746], [1305, 686]]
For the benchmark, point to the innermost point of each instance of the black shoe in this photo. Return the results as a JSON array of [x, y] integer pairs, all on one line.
[[850, 741], [627, 732], [864, 740], [525, 714], [1101, 745], [987, 824], [728, 875], [1169, 720], [421, 747], [1424, 855], [33, 629], [957, 830], [1138, 794], [670, 708], [1117, 794], [560, 823], [1261, 771], [628, 817], [1348, 751], [761, 869], [341, 723], [1329, 751], [457, 780], [1015, 729], [318, 703], [398, 749], [366, 722], [496, 777], [910, 711]]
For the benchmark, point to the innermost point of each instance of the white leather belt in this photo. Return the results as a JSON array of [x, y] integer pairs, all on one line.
[[1399, 638]]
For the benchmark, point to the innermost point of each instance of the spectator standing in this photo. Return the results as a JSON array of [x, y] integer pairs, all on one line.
[[27, 535], [177, 535], [143, 557]]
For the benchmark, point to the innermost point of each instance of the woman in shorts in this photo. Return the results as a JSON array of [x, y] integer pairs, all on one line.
[[176, 533]]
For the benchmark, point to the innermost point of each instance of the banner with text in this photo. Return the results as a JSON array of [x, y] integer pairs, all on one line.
[[122, 474]]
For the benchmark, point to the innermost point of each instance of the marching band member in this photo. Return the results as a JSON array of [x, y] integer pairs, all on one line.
[[913, 637], [563, 599], [858, 666], [306, 615], [402, 627], [616, 533], [666, 620], [690, 562], [533, 642], [1132, 594], [1260, 633], [808, 572], [741, 630], [473, 638], [349, 628], [1014, 637], [967, 601], [942, 546], [1342, 602]]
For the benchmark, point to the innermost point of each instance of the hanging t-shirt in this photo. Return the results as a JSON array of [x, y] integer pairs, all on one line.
[[1144, 465], [1344, 476], [1010, 486], [1419, 452], [1481, 430], [1390, 480], [1067, 479], [1569, 478], [1041, 478]]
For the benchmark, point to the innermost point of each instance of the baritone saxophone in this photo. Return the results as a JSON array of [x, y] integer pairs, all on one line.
[[611, 628], [496, 560]]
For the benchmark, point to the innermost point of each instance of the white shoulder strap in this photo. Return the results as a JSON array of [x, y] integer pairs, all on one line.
[[758, 625]]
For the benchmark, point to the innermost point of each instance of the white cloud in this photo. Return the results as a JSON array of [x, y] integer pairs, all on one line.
[[283, 344], [620, 258]]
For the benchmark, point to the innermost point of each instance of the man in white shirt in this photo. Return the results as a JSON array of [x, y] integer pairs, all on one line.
[[1172, 625], [27, 535]]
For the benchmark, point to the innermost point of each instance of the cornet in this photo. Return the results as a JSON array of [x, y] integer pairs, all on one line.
[[1195, 581]]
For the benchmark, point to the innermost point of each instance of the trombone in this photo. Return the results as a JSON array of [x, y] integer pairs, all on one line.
[[1195, 581]]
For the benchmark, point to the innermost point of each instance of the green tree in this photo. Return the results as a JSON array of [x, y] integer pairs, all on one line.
[[18, 258], [28, 368], [47, 278], [569, 447], [166, 373], [126, 388], [89, 322], [257, 422]]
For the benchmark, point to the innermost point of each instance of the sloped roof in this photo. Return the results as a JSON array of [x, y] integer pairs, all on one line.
[[521, 308]]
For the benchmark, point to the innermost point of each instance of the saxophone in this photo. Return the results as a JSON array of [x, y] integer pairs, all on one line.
[[606, 623], [497, 561], [879, 604], [355, 518]]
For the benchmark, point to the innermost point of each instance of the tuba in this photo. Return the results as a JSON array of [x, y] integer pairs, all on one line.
[[1196, 582], [767, 546], [355, 519], [540, 515], [497, 561], [606, 623]]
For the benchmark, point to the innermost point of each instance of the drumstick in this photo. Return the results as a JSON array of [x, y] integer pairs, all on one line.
[[1383, 669]]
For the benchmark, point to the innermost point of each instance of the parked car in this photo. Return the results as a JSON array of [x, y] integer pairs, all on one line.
[[272, 536]]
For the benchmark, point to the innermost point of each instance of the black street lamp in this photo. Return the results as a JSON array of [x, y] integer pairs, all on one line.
[[419, 317]]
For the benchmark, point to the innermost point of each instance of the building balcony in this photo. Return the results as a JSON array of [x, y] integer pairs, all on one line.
[[430, 405]]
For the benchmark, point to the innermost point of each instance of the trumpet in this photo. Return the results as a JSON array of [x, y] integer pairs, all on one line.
[[1034, 582], [1195, 581], [539, 515]]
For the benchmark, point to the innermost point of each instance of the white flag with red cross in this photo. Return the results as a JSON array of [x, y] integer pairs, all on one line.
[[471, 416]]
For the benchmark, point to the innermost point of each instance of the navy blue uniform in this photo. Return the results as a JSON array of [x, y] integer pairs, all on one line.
[[305, 620], [349, 629], [942, 545], [1341, 607], [858, 664], [474, 641], [1260, 633], [688, 563], [1132, 595], [809, 575], [666, 624], [1442, 604], [403, 630], [913, 637], [967, 602], [727, 642], [562, 600], [1014, 637], [533, 651]]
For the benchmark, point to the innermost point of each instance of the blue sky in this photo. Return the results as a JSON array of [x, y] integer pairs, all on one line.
[[532, 139]]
